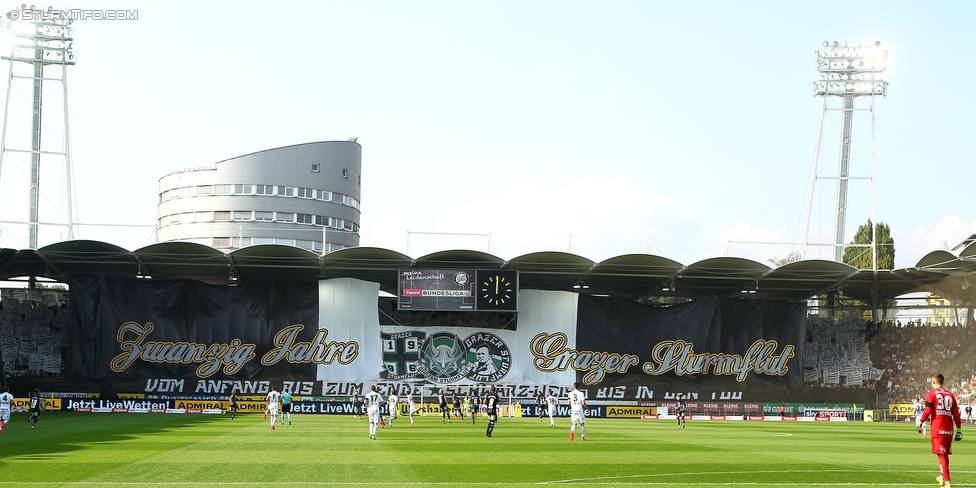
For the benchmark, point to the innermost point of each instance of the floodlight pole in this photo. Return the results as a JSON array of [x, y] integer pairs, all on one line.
[[847, 72], [35, 146], [39, 38], [844, 174]]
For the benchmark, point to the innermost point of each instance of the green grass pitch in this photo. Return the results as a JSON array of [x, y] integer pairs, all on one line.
[[158, 450]]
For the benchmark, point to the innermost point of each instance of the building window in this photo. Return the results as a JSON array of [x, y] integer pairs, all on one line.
[[309, 245], [304, 218], [221, 216], [263, 216], [172, 219], [287, 242], [345, 173], [284, 217], [262, 240], [203, 217], [205, 190], [350, 201], [321, 220], [306, 193], [332, 247], [186, 218], [169, 194], [334, 222], [239, 242], [323, 195], [243, 189], [289, 191], [223, 189], [241, 215], [264, 189], [221, 242], [315, 167]]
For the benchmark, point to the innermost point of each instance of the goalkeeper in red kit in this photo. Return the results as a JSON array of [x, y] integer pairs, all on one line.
[[941, 408]]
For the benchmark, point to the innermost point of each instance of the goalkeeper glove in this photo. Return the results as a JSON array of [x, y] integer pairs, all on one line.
[[958, 435]]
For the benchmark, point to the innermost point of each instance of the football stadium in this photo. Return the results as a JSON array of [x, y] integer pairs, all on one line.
[[253, 341], [136, 374]]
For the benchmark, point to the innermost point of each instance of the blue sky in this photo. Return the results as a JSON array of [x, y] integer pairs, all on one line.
[[599, 128]]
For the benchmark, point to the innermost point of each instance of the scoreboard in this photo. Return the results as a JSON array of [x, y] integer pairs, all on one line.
[[457, 289]]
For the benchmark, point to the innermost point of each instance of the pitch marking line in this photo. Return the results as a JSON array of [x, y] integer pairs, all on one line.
[[616, 479], [454, 483], [629, 480]]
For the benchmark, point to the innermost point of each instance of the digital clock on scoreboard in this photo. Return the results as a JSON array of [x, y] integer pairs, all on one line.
[[457, 290]]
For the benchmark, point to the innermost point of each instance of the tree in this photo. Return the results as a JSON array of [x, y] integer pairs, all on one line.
[[790, 258], [860, 256]]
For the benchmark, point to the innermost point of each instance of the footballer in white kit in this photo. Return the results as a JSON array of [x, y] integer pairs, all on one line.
[[6, 402], [373, 401], [551, 403], [393, 402], [577, 404], [412, 407], [919, 408], [273, 398]]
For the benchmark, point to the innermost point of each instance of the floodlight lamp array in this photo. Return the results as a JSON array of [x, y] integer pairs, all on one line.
[[47, 38], [851, 69]]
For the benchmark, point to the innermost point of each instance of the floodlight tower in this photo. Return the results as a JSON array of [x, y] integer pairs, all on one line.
[[847, 73], [40, 39]]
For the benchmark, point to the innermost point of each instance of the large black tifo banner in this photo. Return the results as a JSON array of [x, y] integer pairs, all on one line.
[[130, 334], [712, 348], [185, 338]]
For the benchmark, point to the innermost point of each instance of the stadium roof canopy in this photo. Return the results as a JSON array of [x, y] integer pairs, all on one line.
[[631, 276]]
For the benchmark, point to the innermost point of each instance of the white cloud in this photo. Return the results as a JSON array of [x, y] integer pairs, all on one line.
[[912, 245]]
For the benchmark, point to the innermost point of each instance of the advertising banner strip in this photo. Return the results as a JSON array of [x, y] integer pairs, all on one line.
[[901, 409]]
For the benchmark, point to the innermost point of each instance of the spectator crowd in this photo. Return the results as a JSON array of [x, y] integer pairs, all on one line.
[[911, 353], [897, 359]]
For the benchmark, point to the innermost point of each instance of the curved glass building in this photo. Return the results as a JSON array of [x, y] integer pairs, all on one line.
[[305, 195]]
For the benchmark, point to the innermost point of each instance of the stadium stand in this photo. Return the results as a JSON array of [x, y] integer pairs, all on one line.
[[911, 353], [836, 354], [895, 359], [33, 331]]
